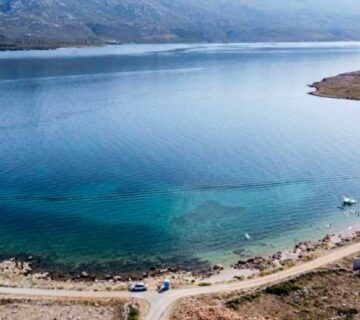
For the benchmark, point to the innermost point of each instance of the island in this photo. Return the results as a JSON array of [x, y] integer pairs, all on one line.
[[342, 86]]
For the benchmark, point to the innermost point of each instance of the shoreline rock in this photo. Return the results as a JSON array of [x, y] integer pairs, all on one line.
[[300, 252], [26, 267]]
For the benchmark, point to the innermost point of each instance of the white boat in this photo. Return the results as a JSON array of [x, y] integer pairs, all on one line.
[[348, 201], [247, 236]]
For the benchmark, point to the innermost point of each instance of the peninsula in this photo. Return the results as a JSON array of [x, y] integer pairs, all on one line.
[[343, 86]]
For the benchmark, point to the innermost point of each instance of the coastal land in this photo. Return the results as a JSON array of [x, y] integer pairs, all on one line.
[[44, 46], [17, 279], [330, 292], [14, 307], [229, 295], [342, 86]]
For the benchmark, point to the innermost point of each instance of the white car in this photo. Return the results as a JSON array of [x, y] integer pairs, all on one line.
[[138, 287]]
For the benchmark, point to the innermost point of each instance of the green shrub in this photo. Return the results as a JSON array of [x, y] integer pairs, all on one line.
[[283, 289], [204, 284], [6, 301], [236, 302], [134, 313]]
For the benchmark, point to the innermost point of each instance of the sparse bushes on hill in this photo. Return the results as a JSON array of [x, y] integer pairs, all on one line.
[[283, 289], [347, 313]]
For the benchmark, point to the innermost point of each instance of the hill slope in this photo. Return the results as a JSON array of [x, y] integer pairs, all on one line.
[[92, 21]]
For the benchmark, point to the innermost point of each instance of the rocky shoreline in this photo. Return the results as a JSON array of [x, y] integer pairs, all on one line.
[[40, 267], [302, 252], [24, 271]]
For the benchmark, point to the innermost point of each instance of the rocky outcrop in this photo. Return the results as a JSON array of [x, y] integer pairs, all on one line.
[[301, 251], [218, 267], [15, 267]]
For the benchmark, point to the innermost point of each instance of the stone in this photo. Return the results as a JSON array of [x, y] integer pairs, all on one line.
[[218, 267]]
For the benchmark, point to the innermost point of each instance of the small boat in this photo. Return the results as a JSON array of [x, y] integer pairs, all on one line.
[[247, 236], [348, 201]]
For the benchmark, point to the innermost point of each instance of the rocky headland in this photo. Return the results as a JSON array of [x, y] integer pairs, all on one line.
[[343, 86]]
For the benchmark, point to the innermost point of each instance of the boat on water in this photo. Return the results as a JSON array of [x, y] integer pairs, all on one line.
[[349, 201], [247, 236]]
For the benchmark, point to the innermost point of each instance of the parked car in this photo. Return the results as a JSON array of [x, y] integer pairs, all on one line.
[[166, 285], [138, 287]]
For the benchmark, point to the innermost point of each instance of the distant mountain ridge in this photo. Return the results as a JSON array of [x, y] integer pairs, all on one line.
[[52, 22]]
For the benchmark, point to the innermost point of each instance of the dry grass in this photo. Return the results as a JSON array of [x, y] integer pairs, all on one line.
[[328, 293], [345, 86], [18, 308]]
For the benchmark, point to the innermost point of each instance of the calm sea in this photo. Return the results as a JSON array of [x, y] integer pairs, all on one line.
[[142, 154]]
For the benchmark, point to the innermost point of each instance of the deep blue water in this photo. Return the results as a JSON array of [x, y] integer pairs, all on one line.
[[148, 152]]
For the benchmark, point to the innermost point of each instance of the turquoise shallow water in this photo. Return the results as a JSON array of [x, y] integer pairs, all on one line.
[[170, 153]]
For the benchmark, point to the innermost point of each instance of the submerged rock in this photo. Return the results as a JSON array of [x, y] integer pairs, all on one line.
[[218, 267]]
